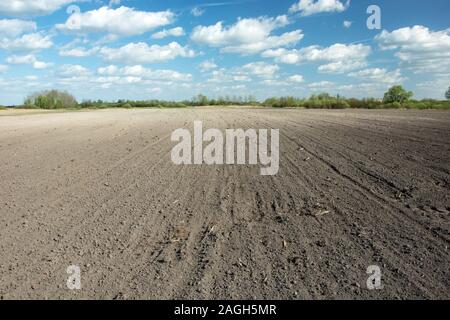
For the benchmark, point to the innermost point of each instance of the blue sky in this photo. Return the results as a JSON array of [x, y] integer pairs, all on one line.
[[175, 49]]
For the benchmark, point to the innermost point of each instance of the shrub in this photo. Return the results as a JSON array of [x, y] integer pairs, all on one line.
[[270, 102], [392, 105], [52, 99], [340, 104], [397, 94]]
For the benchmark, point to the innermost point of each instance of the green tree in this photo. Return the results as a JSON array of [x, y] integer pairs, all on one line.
[[397, 94], [447, 94], [201, 100], [52, 99]]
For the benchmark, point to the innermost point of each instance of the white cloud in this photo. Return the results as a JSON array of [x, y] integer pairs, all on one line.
[[41, 65], [275, 82], [423, 50], [283, 55], [288, 38], [174, 32], [122, 21], [436, 87], [138, 71], [31, 7], [147, 73], [246, 36], [336, 52], [197, 12], [417, 38], [78, 52], [342, 66], [379, 75], [223, 75], [114, 2], [154, 90], [70, 70], [363, 89], [109, 70], [261, 69], [245, 73], [31, 78], [3, 68], [28, 59], [296, 78], [207, 65], [12, 28], [28, 42], [347, 24], [143, 53], [340, 57], [310, 7], [321, 85]]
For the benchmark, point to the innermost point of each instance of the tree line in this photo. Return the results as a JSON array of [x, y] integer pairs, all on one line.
[[396, 97]]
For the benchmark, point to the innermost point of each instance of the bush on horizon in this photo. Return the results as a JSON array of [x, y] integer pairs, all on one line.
[[52, 99]]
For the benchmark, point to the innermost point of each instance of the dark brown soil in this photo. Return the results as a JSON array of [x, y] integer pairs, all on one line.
[[98, 189]]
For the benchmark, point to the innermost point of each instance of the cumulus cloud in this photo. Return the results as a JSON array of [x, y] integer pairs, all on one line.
[[423, 50], [27, 42], [70, 70], [417, 38], [156, 90], [197, 12], [174, 32], [78, 52], [223, 75], [109, 70], [310, 7], [207, 65], [3, 68], [28, 59], [436, 86], [296, 78], [321, 85], [379, 75], [143, 53], [342, 66], [338, 58], [347, 24], [122, 21], [14, 36], [245, 73], [363, 89], [261, 69], [246, 36], [31, 7], [138, 71], [13, 27], [114, 2], [41, 65]]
